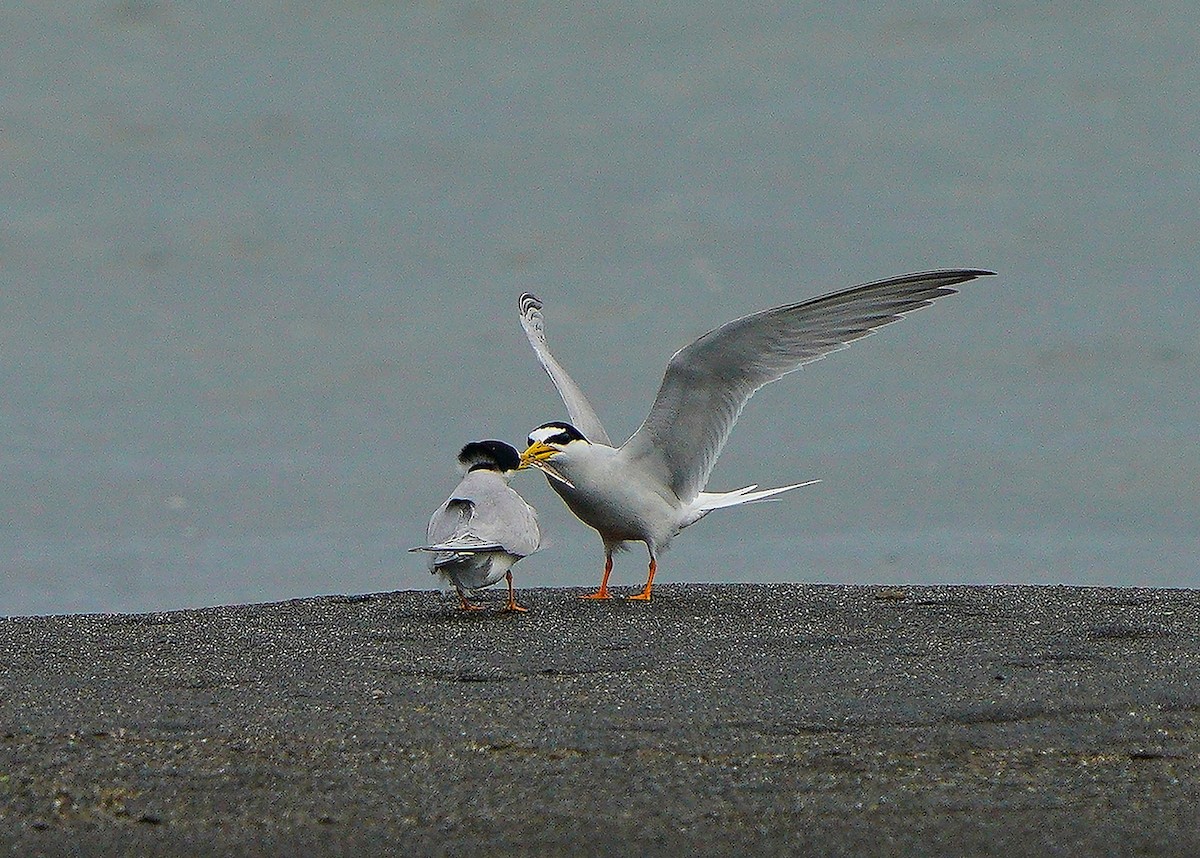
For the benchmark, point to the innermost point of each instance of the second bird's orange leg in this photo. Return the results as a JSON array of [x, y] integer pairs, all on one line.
[[512, 599], [644, 596], [462, 600], [602, 593]]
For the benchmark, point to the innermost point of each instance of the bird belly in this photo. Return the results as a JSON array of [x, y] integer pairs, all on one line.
[[474, 571], [622, 514]]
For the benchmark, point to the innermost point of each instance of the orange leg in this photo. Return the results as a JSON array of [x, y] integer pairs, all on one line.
[[602, 593], [512, 599], [644, 596], [462, 600]]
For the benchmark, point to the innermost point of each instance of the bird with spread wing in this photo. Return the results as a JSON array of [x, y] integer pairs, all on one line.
[[652, 486]]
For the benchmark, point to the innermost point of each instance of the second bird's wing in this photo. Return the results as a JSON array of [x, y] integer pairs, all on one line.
[[708, 383], [462, 544], [492, 518], [503, 516], [583, 417]]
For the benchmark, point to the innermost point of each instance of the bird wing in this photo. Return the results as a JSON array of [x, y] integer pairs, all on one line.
[[707, 384], [451, 523], [484, 514], [583, 417], [514, 524], [464, 544]]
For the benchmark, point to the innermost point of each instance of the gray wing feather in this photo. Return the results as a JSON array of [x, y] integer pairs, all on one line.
[[513, 525], [451, 520], [583, 417], [464, 544], [484, 514], [708, 383]]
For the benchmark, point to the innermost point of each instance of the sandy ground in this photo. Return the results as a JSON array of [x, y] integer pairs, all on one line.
[[758, 719]]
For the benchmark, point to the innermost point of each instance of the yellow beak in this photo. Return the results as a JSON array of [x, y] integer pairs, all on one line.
[[535, 454], [538, 455]]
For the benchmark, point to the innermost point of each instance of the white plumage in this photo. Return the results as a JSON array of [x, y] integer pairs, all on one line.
[[652, 486]]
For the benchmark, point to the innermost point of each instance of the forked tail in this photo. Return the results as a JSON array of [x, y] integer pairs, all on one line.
[[706, 502]]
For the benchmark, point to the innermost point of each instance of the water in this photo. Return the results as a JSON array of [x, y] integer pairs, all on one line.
[[260, 270]]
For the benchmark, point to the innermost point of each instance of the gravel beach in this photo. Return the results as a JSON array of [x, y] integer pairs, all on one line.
[[750, 719]]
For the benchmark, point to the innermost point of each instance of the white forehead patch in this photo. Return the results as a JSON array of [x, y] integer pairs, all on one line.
[[544, 433], [555, 434]]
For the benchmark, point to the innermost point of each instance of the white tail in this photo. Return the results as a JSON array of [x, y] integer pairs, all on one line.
[[706, 502]]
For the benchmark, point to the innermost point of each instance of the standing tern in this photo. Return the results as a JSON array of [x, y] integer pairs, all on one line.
[[652, 486], [484, 527]]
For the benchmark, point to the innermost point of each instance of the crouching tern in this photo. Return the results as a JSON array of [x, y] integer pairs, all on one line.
[[652, 486], [484, 527]]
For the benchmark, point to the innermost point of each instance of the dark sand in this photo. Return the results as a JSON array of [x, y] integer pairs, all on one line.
[[789, 720]]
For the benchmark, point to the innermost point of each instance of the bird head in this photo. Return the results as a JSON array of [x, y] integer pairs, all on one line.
[[490, 456], [547, 442]]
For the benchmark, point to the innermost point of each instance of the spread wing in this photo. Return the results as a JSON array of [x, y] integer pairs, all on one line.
[[708, 383], [579, 409]]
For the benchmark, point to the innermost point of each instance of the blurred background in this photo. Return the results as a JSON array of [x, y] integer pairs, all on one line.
[[260, 266]]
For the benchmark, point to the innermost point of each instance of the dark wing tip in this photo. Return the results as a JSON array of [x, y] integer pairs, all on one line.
[[529, 302], [928, 284], [940, 277], [960, 275]]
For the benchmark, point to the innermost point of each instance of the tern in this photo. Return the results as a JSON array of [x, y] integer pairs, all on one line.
[[484, 527], [652, 486]]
